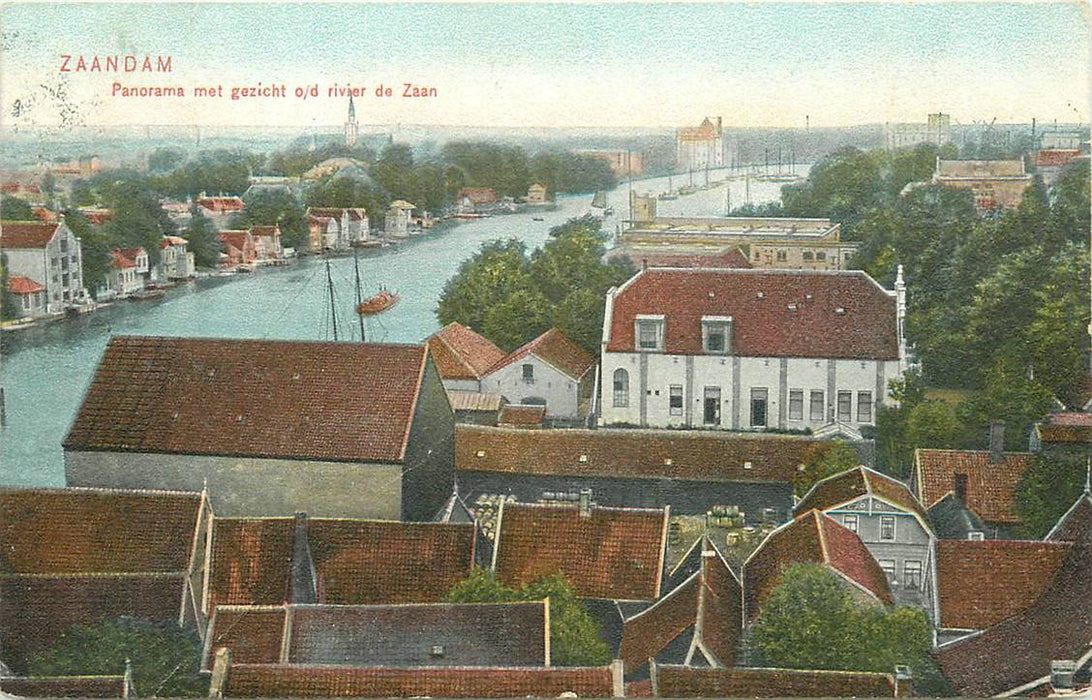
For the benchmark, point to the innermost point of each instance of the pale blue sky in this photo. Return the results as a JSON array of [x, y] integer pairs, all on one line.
[[570, 64]]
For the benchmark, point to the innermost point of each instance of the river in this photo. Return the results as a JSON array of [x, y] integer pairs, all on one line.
[[46, 370]]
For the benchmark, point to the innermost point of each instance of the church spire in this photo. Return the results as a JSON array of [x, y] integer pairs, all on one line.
[[351, 129], [352, 110]]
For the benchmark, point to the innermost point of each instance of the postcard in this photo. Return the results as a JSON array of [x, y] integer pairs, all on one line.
[[509, 349]]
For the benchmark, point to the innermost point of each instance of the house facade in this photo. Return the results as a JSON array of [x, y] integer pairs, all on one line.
[[30, 297], [996, 184], [267, 242], [174, 262], [750, 349], [272, 427], [536, 194], [239, 248], [700, 147], [551, 371], [339, 228], [48, 254], [219, 210], [124, 276], [397, 221]]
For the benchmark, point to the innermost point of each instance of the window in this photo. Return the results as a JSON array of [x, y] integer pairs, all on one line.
[[676, 399], [621, 388], [782, 256], [911, 574], [807, 256], [758, 408], [649, 334], [26, 302], [888, 566], [976, 536], [714, 341], [529, 373], [818, 407], [864, 406], [850, 521], [716, 333], [887, 527], [796, 404], [820, 257], [711, 414], [845, 405]]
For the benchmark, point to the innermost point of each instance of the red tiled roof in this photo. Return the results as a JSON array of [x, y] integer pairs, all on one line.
[[97, 216], [1066, 427], [356, 561], [331, 681], [783, 322], [722, 612], [1056, 157], [26, 234], [265, 231], [252, 398], [854, 483], [355, 213], [704, 131], [173, 240], [120, 261], [255, 635], [646, 634], [92, 531], [613, 553], [982, 583], [16, 187], [1019, 650], [733, 258], [683, 682], [236, 239], [221, 204], [473, 401], [811, 538], [478, 195], [65, 686], [23, 285], [556, 349], [460, 353], [44, 214], [516, 415], [991, 488], [1074, 523], [699, 455]]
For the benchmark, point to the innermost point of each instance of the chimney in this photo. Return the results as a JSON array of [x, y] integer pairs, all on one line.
[[1061, 674], [997, 441], [585, 503], [304, 577], [904, 682], [221, 667], [959, 486]]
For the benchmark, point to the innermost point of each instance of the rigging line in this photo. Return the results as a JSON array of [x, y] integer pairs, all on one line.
[[291, 302]]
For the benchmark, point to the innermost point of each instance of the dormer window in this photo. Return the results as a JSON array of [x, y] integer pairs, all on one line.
[[716, 333], [650, 333]]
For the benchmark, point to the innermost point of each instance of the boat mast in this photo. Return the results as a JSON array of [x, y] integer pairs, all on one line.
[[330, 287], [356, 267]]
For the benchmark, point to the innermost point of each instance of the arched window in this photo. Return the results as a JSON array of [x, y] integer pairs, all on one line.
[[621, 388]]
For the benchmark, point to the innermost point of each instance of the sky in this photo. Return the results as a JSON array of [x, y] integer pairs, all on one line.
[[562, 65]]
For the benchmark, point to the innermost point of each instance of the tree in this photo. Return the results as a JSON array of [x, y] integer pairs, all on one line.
[[164, 160], [810, 621], [165, 659], [1046, 491], [95, 246], [202, 240], [275, 208], [518, 318], [8, 307], [14, 209], [495, 273], [822, 460], [575, 637]]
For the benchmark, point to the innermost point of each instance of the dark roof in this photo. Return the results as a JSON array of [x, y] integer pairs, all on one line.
[[460, 353], [332, 681], [96, 531], [612, 553], [252, 398], [472, 634], [783, 322], [982, 583], [1075, 522], [852, 484], [991, 487], [682, 682], [811, 538], [1070, 427], [699, 455], [65, 686], [355, 561], [951, 519], [1018, 651], [26, 234], [556, 349]]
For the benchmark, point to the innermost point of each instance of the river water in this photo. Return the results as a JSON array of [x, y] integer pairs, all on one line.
[[46, 370]]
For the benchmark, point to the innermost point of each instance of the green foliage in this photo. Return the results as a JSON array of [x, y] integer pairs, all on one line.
[[822, 460], [164, 160], [164, 658], [8, 308], [95, 246], [346, 192], [213, 173], [810, 621], [511, 298], [280, 208], [15, 209], [1046, 491], [574, 635], [203, 240]]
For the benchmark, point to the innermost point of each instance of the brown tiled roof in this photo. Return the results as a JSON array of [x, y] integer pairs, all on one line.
[[173, 240], [35, 611], [702, 132], [982, 583], [980, 168], [646, 634], [468, 634], [26, 234], [120, 261], [473, 401], [356, 561], [722, 612], [683, 682], [265, 231], [811, 538], [783, 322], [460, 353], [854, 483], [1018, 651], [23, 285], [252, 398], [65, 686], [355, 213], [1055, 157], [236, 239], [1074, 523], [516, 415], [556, 349], [93, 531], [220, 204], [699, 455], [478, 195], [1067, 427], [613, 553], [991, 488], [332, 681]]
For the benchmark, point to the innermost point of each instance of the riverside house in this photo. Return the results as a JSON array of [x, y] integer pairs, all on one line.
[[48, 256]]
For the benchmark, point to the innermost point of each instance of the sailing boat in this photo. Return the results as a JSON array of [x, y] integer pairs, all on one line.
[[670, 194]]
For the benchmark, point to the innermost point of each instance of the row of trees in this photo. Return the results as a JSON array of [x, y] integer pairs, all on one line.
[[511, 297]]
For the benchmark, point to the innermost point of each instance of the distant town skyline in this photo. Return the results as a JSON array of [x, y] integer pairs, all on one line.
[[568, 65]]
